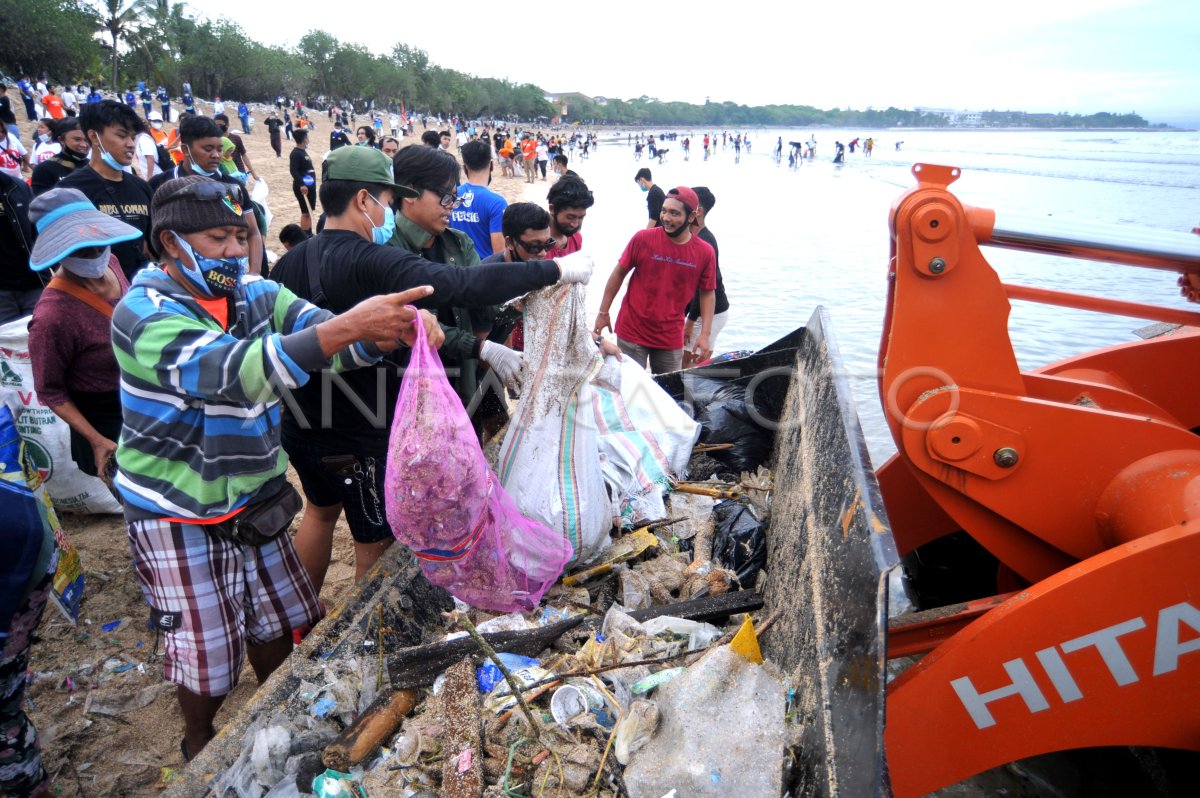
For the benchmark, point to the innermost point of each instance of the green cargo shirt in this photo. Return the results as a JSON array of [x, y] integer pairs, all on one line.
[[461, 348]]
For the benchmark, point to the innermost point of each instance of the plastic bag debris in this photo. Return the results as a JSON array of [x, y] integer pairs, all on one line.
[[513, 622], [271, 747], [501, 697], [549, 460], [726, 417], [444, 502], [488, 675], [699, 634], [636, 729], [741, 541], [721, 732], [334, 784], [696, 533], [635, 589]]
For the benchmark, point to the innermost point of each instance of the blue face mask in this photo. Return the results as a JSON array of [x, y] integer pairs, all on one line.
[[213, 276], [196, 170], [110, 161], [382, 235]]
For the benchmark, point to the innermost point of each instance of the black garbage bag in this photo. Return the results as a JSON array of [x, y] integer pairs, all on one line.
[[740, 542], [732, 422], [726, 417]]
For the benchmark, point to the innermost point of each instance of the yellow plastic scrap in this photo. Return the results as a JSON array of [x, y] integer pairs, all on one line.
[[745, 642], [632, 545]]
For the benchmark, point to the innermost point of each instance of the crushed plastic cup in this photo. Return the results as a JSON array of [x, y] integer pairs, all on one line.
[[571, 701]]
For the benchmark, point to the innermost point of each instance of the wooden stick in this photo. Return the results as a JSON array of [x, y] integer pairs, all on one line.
[[714, 491], [711, 447]]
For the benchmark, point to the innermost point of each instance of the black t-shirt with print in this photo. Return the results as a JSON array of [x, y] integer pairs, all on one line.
[[127, 200]]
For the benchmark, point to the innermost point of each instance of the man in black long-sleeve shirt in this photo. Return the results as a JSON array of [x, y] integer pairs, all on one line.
[[336, 429]]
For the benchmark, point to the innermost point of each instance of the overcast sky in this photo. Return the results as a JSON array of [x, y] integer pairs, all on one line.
[[1079, 56]]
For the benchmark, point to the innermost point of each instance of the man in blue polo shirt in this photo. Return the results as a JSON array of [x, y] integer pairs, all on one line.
[[481, 213]]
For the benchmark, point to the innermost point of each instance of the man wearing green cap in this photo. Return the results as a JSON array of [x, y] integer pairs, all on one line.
[[206, 353], [336, 435]]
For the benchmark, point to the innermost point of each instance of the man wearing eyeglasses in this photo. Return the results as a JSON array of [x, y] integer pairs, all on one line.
[[423, 227], [336, 430]]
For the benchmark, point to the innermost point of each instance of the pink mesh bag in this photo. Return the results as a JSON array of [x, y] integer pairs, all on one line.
[[444, 502]]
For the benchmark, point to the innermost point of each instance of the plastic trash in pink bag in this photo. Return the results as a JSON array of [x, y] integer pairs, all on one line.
[[444, 502]]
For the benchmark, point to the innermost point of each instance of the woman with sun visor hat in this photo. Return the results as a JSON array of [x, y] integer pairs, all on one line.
[[206, 351], [70, 336]]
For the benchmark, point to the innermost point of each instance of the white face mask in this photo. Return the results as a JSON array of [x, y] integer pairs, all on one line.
[[88, 268]]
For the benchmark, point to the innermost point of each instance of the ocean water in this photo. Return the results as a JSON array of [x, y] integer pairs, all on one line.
[[817, 235]]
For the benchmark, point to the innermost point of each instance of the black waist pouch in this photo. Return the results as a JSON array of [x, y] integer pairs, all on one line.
[[261, 521]]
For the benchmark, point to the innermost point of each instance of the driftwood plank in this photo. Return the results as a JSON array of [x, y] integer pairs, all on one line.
[[418, 666]]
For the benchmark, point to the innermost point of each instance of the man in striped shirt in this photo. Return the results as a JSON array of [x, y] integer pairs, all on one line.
[[206, 352]]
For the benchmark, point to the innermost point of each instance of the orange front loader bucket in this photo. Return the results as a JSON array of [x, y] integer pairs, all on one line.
[[1082, 480]]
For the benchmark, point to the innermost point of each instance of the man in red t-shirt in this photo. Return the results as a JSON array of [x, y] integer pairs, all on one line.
[[668, 264]]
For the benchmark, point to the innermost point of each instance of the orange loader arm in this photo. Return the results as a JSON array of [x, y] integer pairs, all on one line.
[[1082, 478]]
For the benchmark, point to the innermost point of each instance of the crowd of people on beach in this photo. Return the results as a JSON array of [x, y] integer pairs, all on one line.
[[162, 337]]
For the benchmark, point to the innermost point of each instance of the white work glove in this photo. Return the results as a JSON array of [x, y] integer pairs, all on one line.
[[506, 362], [575, 268]]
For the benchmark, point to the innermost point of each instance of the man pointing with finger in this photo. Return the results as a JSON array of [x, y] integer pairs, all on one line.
[[205, 352], [668, 266], [336, 430]]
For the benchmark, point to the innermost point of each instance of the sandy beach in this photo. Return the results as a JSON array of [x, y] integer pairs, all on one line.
[[131, 753]]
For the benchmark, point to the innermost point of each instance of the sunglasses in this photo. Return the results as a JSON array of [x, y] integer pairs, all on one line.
[[535, 247], [447, 199], [206, 190]]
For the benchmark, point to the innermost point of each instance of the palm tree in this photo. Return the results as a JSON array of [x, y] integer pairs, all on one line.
[[155, 39], [119, 18]]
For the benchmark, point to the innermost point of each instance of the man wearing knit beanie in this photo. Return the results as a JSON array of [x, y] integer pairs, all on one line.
[[206, 353]]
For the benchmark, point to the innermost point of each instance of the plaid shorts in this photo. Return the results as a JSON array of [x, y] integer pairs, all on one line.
[[224, 596]]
